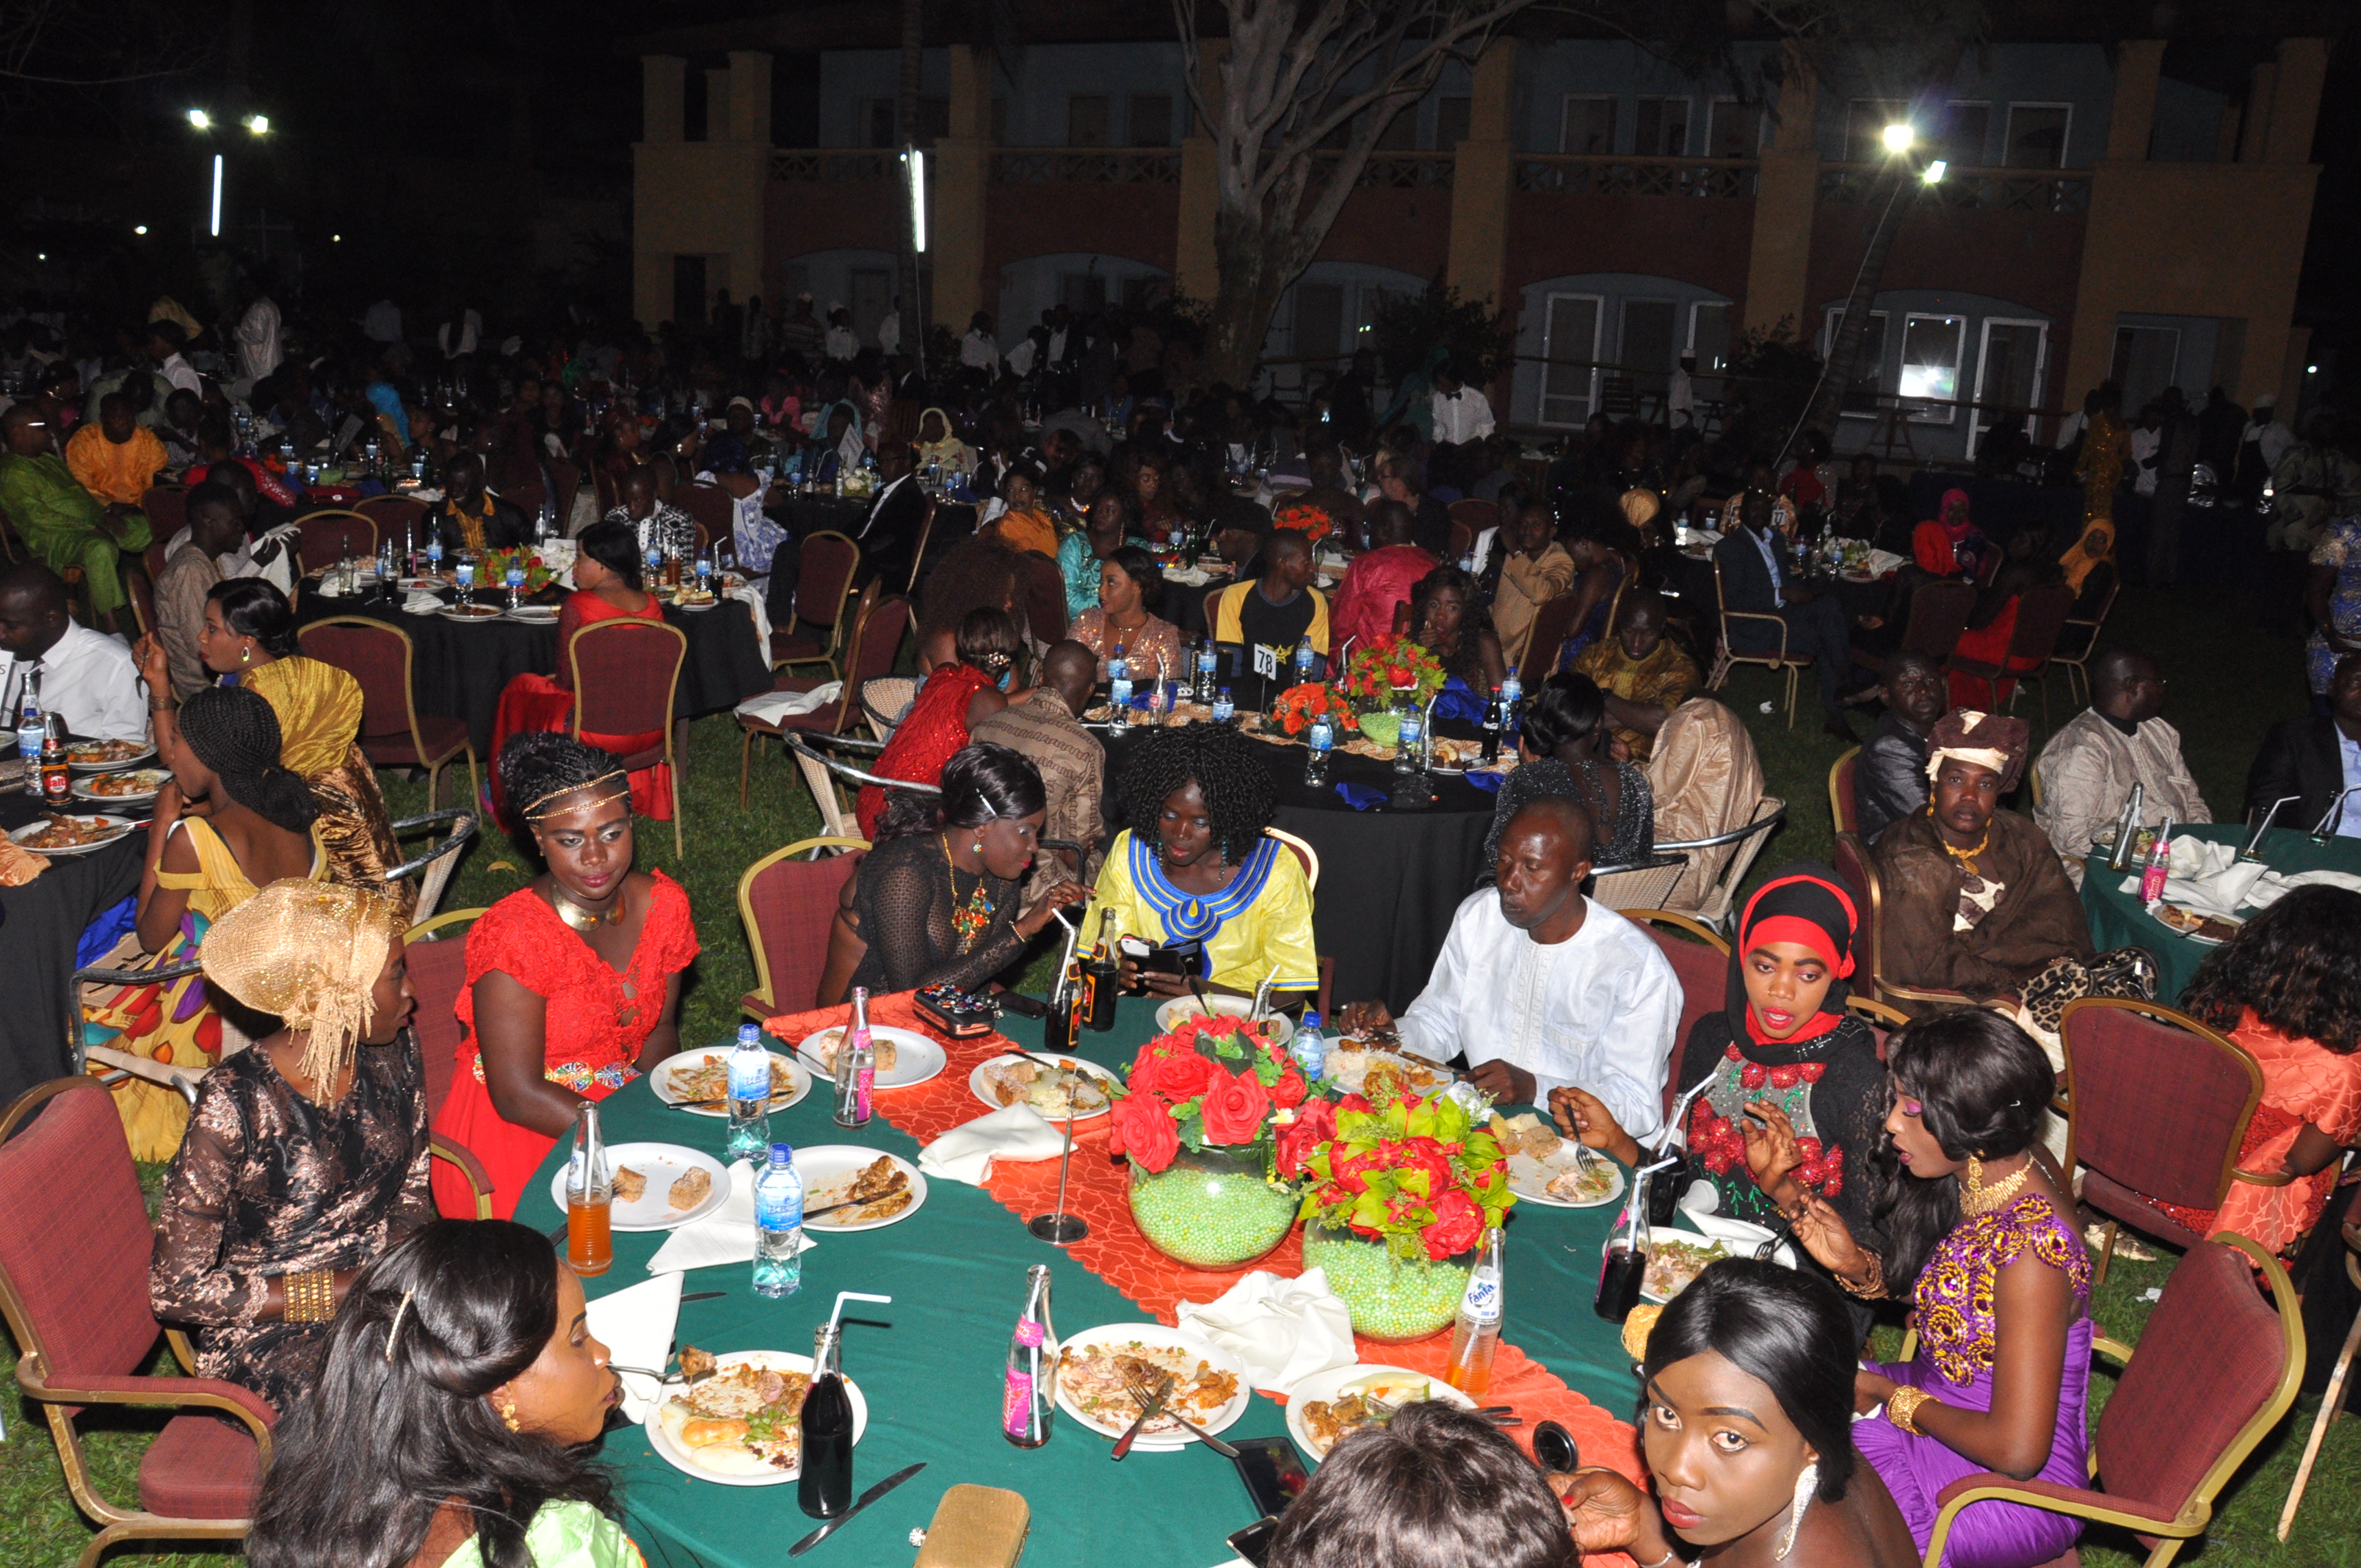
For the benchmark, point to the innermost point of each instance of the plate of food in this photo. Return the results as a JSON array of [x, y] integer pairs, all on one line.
[[107, 756], [535, 614], [904, 1056], [737, 1419], [471, 612], [693, 1079], [2206, 930], [1277, 1026], [887, 1187], [1674, 1258], [1324, 1407], [1457, 756], [1074, 1088], [132, 786], [657, 1186], [1359, 1066], [690, 599], [1209, 1390], [65, 835], [1554, 1172]]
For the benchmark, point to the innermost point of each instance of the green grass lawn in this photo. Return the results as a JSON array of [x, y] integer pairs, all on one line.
[[2228, 683]]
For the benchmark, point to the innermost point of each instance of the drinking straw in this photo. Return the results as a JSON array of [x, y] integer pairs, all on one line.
[[845, 1296]]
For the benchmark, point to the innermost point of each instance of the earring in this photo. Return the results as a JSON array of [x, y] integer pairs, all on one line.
[[246, 656], [508, 1419], [1806, 1485], [978, 846]]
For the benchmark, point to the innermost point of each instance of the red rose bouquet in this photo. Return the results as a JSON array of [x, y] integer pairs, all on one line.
[[1217, 1082], [1313, 523], [495, 572], [1296, 705], [1419, 1175], [1386, 663]]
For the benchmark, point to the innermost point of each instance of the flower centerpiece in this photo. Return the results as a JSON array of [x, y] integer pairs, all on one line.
[[1295, 707], [1386, 665], [1312, 521], [1400, 1197], [495, 573], [1198, 1119]]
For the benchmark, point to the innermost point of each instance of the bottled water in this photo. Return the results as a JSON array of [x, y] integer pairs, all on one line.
[[30, 730], [1305, 657], [1207, 662], [515, 581], [1310, 1051], [467, 571], [1224, 709], [433, 554], [1319, 740], [1413, 726], [779, 1226], [1118, 691], [1513, 707], [749, 1095]]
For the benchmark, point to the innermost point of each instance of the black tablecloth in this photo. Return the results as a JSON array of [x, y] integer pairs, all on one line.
[[459, 669], [1389, 880], [1872, 597], [39, 924]]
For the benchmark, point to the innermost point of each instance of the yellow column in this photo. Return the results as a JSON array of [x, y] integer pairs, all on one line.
[[702, 198], [1787, 196], [958, 174], [1483, 175], [2137, 64], [662, 79], [2295, 99], [1196, 268]]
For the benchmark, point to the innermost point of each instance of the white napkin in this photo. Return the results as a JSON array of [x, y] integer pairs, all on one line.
[[421, 604], [2273, 886], [1282, 1330], [635, 1325], [726, 1235], [1014, 1133], [2205, 876], [1881, 562], [772, 707], [754, 598]]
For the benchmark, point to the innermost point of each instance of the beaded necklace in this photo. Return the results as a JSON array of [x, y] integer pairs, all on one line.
[[972, 919]]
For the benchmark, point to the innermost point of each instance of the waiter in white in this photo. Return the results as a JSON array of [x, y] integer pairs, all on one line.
[[1540, 988]]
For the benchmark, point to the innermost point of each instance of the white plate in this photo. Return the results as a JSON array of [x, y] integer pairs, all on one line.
[[1686, 1238], [535, 614], [1156, 1335], [1529, 1179], [697, 608], [33, 829], [159, 778], [979, 1086], [420, 584], [1743, 1235], [474, 615], [661, 1164], [916, 1057], [661, 1080], [1329, 1384], [775, 1361], [1278, 1025], [821, 1164], [115, 767]]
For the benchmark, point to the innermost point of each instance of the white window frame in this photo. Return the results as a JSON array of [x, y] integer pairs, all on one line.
[[1950, 414], [1590, 352], [1688, 343], [1976, 425], [1828, 320], [1567, 101], [2008, 129], [1688, 122]]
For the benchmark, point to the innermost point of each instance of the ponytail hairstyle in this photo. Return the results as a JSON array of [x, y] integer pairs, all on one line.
[[981, 783], [400, 1418], [235, 733], [253, 606]]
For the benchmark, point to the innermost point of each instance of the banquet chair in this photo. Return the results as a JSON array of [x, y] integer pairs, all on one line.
[[1042, 589], [434, 868], [2218, 1366], [2079, 637], [710, 507], [565, 480], [141, 591], [1726, 656], [438, 972], [883, 701], [1939, 613], [1849, 858], [74, 1251], [1475, 516], [396, 517], [829, 562], [2156, 1108], [919, 551], [166, 507], [2041, 618], [626, 683], [1715, 906], [1843, 807], [1304, 852], [322, 538], [1644, 885], [394, 734], [878, 625], [1700, 961], [1552, 624], [2339, 1376], [787, 906]]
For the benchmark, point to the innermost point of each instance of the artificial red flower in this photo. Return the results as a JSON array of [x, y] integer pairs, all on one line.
[[1458, 1224], [1784, 1078], [1754, 1075], [1291, 1090], [1233, 1108], [1315, 1123], [1141, 1127], [1177, 1075]]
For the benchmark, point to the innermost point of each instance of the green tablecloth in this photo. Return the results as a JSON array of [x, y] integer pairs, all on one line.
[[2118, 920], [931, 1364]]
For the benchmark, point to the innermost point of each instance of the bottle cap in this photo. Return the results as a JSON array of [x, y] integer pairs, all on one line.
[[1311, 1017], [749, 1034], [782, 1153]]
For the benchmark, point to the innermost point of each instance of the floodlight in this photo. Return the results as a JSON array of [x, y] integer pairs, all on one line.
[[1934, 172], [1898, 137], [258, 124], [200, 119]]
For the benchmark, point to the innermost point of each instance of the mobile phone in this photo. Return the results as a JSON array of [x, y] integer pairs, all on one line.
[[1273, 1473], [1252, 1543], [1024, 1006]]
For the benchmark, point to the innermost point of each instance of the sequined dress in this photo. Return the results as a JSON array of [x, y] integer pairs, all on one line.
[[1956, 1337]]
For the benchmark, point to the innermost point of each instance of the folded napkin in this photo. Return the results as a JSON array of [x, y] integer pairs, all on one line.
[[421, 604], [635, 1325], [1360, 797], [965, 1152], [754, 598], [1881, 562], [1282, 1331], [2273, 886], [772, 707], [2205, 876], [726, 1235]]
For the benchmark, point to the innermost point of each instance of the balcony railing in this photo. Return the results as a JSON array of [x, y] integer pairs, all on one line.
[[833, 166], [1405, 171], [1088, 165], [1596, 174], [1971, 189]]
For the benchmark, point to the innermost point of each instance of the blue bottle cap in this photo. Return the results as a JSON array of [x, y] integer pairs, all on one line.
[[781, 1153], [1311, 1017], [749, 1034]]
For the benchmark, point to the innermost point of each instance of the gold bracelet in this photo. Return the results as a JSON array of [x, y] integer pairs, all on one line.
[[1902, 1408], [310, 1296], [1872, 1289]]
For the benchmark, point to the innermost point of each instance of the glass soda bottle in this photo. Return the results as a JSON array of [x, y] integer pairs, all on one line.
[[749, 1095], [1492, 726], [589, 1199], [824, 1490], [1029, 1397], [779, 1226], [1103, 973], [1476, 1335], [856, 1067]]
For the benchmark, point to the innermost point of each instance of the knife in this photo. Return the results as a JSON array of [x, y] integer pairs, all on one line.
[[871, 1496], [1202, 1435]]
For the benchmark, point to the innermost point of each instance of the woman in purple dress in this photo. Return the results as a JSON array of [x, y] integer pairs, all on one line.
[[1978, 1232]]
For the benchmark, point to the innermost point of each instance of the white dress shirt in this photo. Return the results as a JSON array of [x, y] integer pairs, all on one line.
[[839, 342], [879, 505], [90, 678], [1597, 1011], [258, 340], [1462, 416], [182, 374], [979, 351]]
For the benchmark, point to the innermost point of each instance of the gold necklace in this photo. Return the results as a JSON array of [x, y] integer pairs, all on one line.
[[1965, 857], [1975, 1198], [580, 919]]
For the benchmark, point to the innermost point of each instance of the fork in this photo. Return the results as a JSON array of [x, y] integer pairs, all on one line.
[[1150, 1404], [1208, 1439]]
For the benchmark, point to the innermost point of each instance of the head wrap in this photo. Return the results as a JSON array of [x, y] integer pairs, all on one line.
[[1962, 529], [308, 952], [1640, 505], [1803, 902], [1991, 740]]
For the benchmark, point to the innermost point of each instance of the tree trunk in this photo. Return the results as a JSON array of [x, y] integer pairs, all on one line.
[[1890, 197], [1255, 271], [906, 117]]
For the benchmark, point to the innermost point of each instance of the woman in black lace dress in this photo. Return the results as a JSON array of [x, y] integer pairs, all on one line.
[[1567, 746], [936, 902]]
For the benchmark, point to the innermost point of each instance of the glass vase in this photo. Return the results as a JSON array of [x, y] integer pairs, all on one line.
[[1392, 1300], [1217, 1209]]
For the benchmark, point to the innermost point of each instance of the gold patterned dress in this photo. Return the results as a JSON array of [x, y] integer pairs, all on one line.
[[319, 710], [2106, 448]]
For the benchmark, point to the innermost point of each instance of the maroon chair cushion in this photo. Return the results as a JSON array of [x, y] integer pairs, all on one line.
[[1553, 623], [321, 541], [2156, 1108], [165, 507], [2120, 1204], [828, 562], [438, 971], [1703, 973], [624, 671], [397, 518], [74, 1239], [201, 1467], [797, 645], [880, 641], [444, 738], [793, 903], [712, 509], [377, 657]]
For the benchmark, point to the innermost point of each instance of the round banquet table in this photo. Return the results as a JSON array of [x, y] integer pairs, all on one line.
[[2118, 919], [931, 1364], [39, 924], [459, 669], [1860, 598], [1390, 879]]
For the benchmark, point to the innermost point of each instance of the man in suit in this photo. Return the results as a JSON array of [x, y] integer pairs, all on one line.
[[889, 534], [1759, 578], [2315, 758]]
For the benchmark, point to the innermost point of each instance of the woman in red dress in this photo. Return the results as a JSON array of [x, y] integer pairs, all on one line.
[[955, 695], [605, 586], [572, 981]]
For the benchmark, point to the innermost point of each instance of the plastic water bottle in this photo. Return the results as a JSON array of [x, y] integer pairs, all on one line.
[[1476, 1335], [467, 574], [30, 730], [1319, 741], [703, 574], [515, 581], [1310, 1051], [1512, 706], [779, 1226], [1406, 749], [1118, 691], [434, 556], [1303, 659], [2159, 863], [1207, 662], [1224, 710], [749, 1095]]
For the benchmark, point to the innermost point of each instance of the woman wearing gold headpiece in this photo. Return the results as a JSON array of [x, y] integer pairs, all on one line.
[[249, 639], [572, 981], [307, 1155]]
